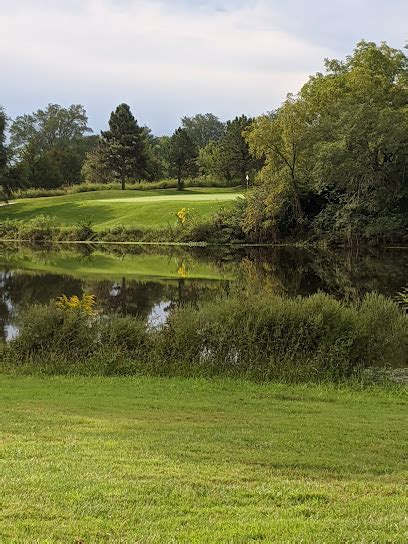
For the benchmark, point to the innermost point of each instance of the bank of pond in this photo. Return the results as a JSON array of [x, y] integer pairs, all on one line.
[[282, 313]]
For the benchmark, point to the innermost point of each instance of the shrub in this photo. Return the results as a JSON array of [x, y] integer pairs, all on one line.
[[261, 337], [38, 229], [127, 335], [49, 330]]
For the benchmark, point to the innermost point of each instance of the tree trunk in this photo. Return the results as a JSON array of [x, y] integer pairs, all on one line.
[[123, 182], [179, 181], [297, 206]]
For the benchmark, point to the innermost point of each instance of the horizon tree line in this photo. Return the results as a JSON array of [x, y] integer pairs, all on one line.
[[331, 159]]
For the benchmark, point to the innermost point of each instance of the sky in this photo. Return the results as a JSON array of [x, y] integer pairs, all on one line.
[[169, 58]]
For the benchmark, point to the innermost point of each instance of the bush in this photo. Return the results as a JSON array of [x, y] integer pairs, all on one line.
[[261, 337], [38, 229], [126, 335], [48, 331]]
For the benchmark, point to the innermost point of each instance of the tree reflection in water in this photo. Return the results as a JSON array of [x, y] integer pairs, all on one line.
[[179, 276]]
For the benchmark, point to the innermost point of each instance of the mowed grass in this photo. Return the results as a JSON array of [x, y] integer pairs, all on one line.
[[155, 460], [129, 208]]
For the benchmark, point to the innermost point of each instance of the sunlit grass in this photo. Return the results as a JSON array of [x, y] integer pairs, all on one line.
[[109, 208], [155, 460]]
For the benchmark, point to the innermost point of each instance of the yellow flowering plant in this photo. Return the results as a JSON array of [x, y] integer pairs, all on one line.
[[86, 304], [182, 216]]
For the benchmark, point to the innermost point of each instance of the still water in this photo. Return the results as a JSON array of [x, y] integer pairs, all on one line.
[[151, 281]]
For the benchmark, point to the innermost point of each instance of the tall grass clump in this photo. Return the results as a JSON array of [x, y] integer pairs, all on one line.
[[261, 337]]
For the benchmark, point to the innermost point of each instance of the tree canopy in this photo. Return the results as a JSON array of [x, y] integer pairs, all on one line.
[[183, 153], [47, 147], [203, 128], [124, 145], [336, 154]]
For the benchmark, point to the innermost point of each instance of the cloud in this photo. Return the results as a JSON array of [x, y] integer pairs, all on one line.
[[165, 58]]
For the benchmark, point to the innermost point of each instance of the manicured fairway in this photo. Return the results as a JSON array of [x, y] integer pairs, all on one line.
[[130, 208], [150, 460]]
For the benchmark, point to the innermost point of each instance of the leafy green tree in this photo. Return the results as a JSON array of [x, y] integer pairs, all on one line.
[[95, 168], [213, 162], [46, 129], [157, 164], [336, 155], [47, 147], [359, 113], [182, 154], [124, 146], [282, 139], [203, 128]]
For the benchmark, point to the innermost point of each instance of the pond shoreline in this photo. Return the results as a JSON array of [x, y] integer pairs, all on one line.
[[300, 245]]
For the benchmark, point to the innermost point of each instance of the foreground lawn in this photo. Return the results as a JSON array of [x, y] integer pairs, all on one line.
[[130, 208], [150, 460]]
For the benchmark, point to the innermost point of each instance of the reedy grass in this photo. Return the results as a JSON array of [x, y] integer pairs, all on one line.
[[246, 335]]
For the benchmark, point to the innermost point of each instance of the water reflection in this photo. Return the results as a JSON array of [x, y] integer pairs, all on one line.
[[150, 282]]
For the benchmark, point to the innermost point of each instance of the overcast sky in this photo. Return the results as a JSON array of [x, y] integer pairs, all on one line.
[[168, 58]]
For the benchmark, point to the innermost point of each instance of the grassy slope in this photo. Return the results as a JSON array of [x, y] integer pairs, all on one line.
[[150, 460], [110, 208]]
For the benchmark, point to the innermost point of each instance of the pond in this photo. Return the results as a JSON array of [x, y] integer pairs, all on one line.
[[150, 281]]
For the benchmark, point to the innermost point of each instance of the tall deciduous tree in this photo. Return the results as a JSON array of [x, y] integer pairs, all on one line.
[[338, 151], [46, 129], [281, 138], [203, 128], [124, 145], [182, 155], [47, 147]]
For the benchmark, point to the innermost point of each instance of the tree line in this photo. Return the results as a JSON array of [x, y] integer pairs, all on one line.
[[331, 161], [55, 147]]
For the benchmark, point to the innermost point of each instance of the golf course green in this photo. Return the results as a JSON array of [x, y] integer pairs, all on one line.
[[105, 209]]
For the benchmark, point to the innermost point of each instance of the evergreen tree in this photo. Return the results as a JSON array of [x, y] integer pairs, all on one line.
[[3, 156], [182, 155], [124, 145], [235, 150]]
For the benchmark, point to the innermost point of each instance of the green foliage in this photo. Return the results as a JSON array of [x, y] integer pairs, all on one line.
[[48, 146], [38, 229], [123, 146], [235, 151], [3, 154], [182, 155], [259, 336], [402, 299], [95, 169], [336, 154], [158, 153], [203, 129]]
